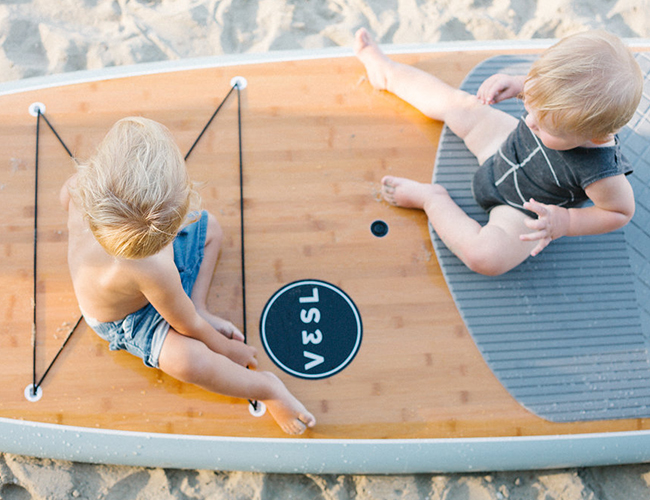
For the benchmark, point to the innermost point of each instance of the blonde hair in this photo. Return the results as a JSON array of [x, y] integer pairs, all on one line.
[[135, 191], [588, 83]]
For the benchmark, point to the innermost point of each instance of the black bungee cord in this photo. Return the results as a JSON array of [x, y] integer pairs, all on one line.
[[241, 215], [34, 387], [257, 408], [36, 384], [236, 85]]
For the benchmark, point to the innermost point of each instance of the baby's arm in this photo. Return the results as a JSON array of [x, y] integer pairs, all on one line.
[[161, 285], [613, 208], [500, 87]]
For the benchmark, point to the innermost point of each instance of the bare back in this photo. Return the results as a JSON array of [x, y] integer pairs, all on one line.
[[107, 288]]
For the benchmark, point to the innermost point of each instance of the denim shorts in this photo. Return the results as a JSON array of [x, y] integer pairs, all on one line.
[[143, 332]]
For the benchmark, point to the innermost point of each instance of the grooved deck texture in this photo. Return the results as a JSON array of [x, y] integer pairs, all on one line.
[[566, 332]]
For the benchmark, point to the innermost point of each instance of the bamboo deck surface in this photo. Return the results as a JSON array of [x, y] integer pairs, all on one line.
[[317, 139]]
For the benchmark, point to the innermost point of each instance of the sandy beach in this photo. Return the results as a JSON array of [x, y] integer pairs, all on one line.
[[43, 37]]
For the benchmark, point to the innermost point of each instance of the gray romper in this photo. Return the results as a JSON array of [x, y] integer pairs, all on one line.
[[524, 168]]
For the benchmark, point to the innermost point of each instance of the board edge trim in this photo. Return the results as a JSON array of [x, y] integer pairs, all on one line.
[[322, 456]]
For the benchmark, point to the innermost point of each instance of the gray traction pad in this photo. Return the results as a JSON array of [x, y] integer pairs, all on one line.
[[566, 332]]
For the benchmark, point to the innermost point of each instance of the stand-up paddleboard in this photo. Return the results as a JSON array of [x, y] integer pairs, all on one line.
[[342, 294]]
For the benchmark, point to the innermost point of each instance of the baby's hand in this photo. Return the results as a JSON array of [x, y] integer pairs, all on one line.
[[499, 87], [552, 223], [242, 353], [229, 330], [225, 327]]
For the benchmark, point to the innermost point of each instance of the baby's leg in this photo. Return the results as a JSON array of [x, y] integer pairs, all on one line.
[[492, 249], [193, 362], [482, 127], [213, 240]]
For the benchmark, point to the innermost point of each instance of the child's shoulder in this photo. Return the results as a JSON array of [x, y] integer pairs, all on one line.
[[151, 270]]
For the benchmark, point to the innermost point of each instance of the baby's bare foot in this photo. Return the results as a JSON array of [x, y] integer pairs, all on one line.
[[407, 193], [288, 412], [375, 61]]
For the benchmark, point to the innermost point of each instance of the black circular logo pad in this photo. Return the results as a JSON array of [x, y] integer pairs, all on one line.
[[311, 329]]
